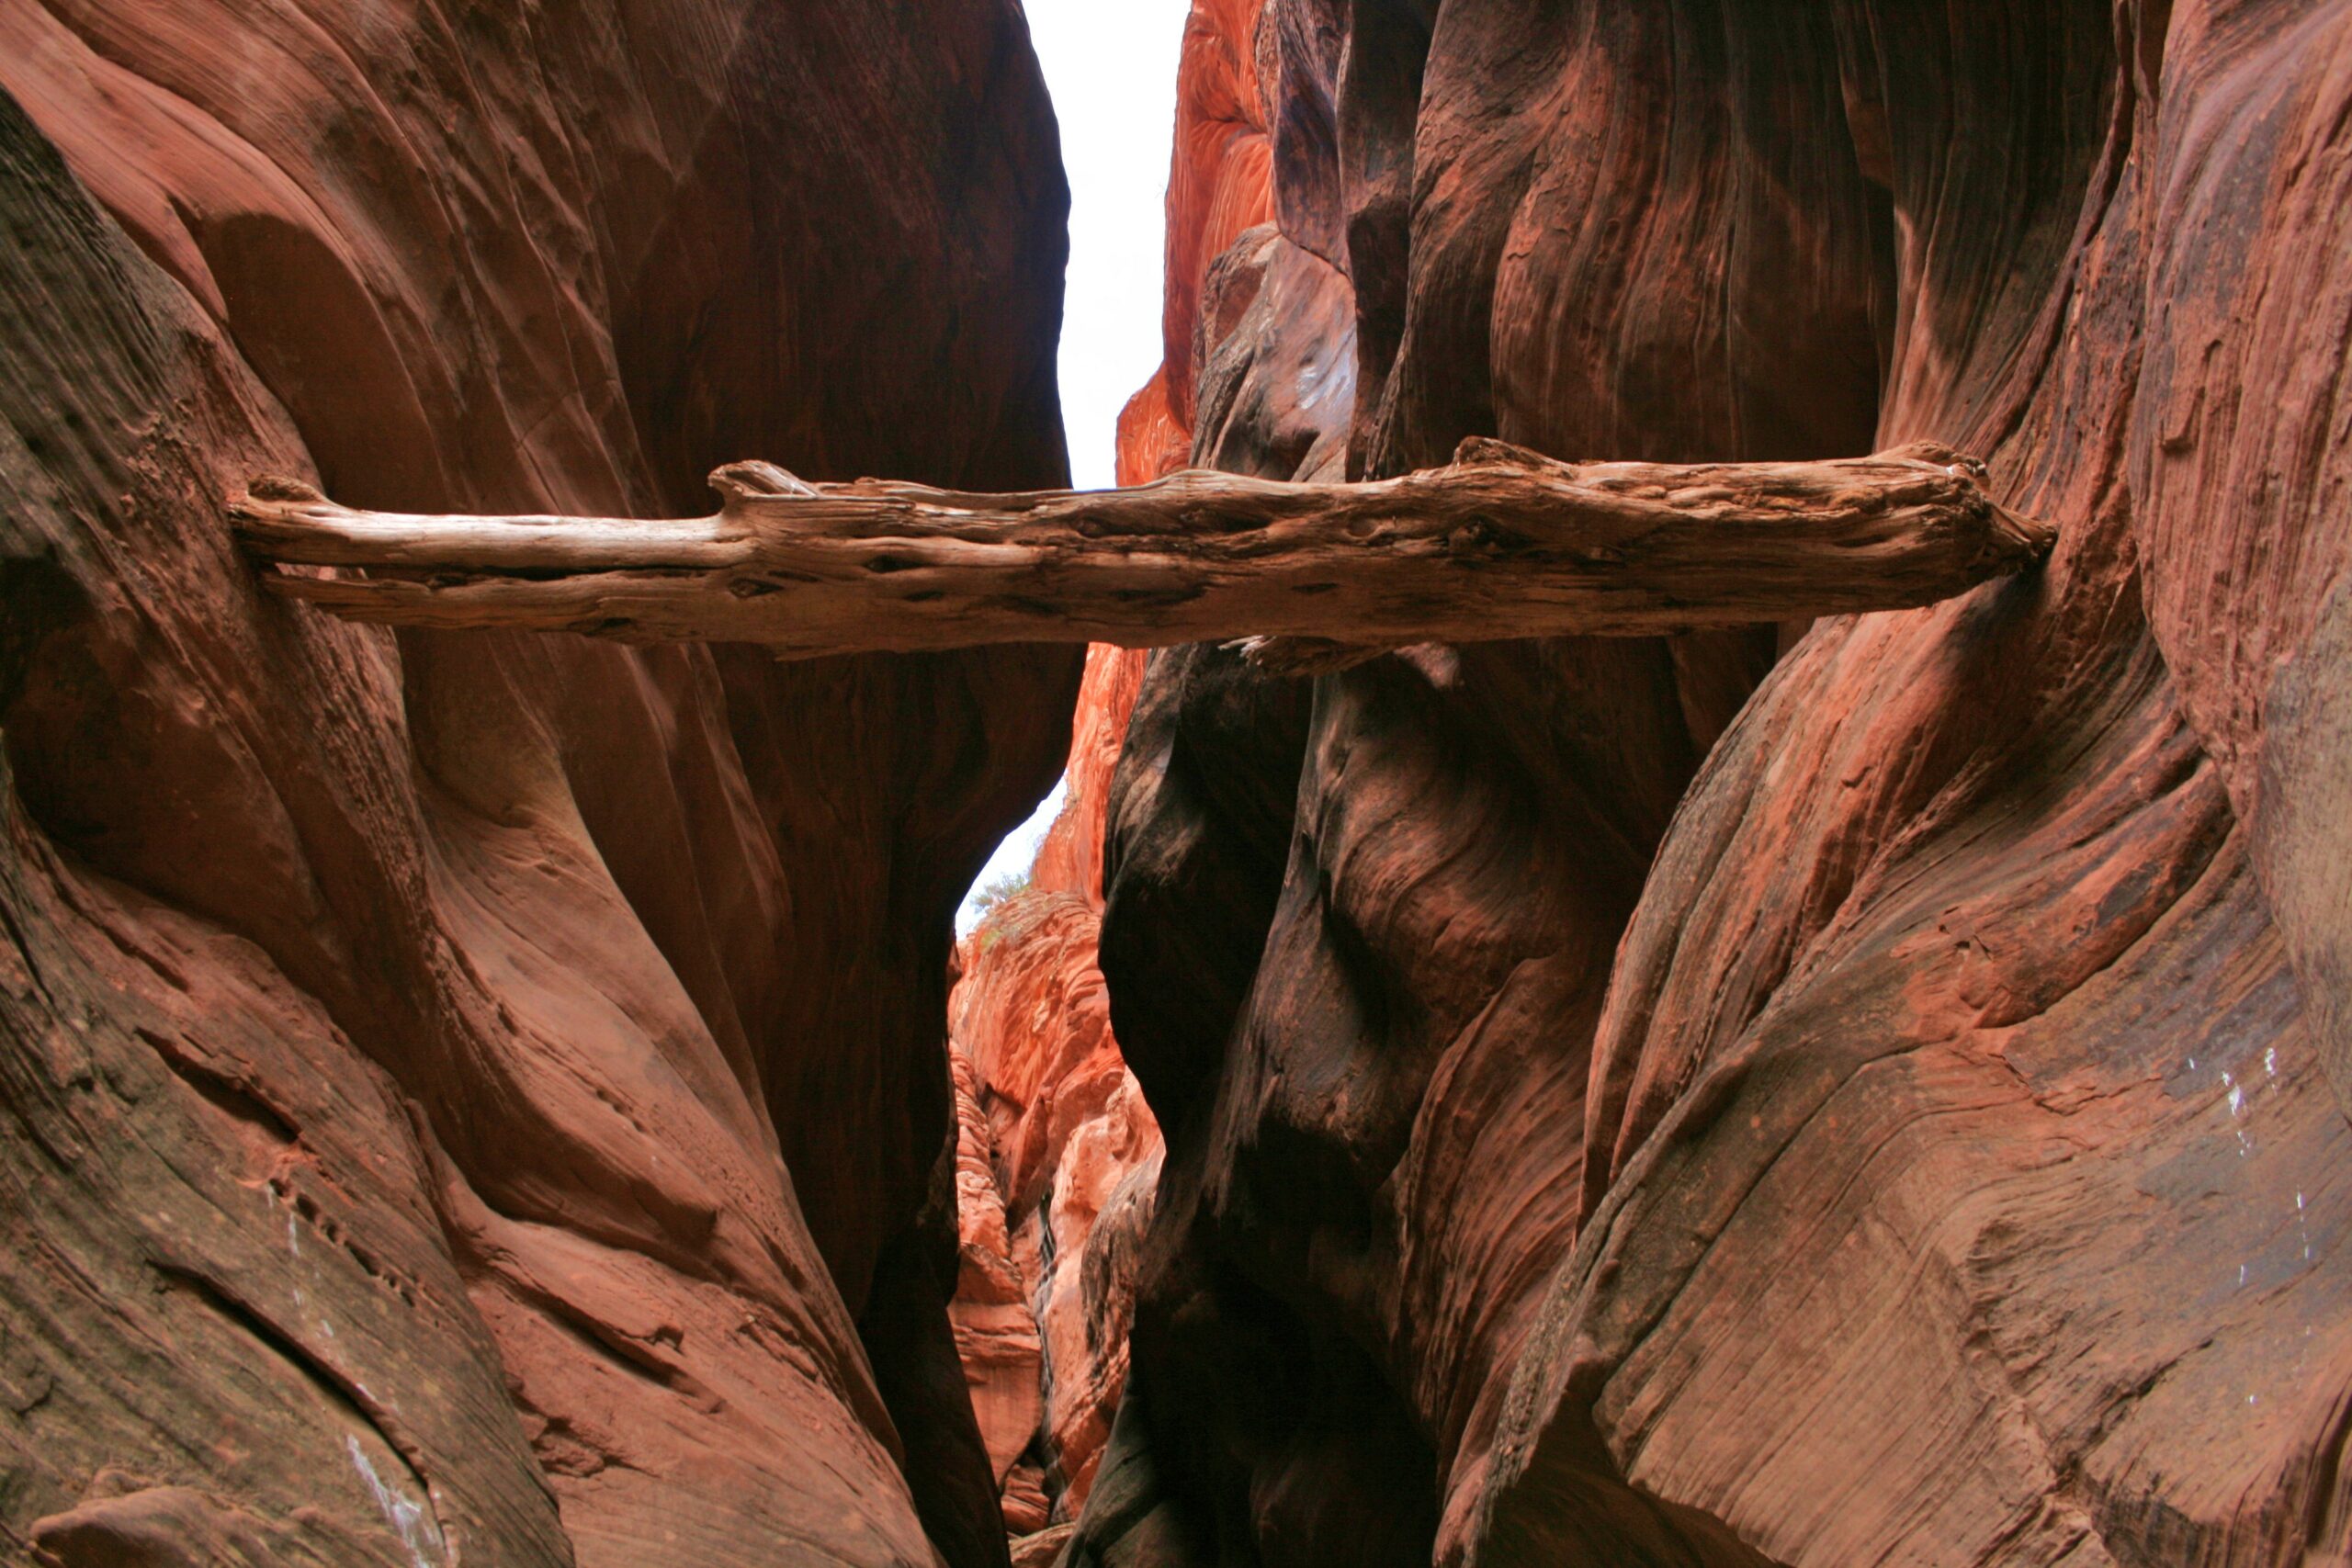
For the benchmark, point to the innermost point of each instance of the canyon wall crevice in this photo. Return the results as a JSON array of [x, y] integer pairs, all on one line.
[[1058, 1152]]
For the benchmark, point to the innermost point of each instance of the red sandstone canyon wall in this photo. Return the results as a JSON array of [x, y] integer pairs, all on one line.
[[1059, 1152], [480, 1097], [1863, 1093], [1866, 1092], [1220, 181]]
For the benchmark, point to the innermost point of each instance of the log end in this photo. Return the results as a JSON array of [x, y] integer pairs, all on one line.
[[277, 509], [2027, 539]]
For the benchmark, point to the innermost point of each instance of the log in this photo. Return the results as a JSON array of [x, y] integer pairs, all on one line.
[[1502, 543]]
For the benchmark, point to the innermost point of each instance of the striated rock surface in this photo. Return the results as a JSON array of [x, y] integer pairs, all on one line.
[[1865, 1092], [1620, 1112], [995, 1326], [1220, 184], [480, 1097], [1070, 859], [1059, 1152]]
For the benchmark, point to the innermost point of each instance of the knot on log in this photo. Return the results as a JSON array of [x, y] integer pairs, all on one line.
[[1487, 450], [283, 488], [1938, 454], [1300, 657], [754, 478]]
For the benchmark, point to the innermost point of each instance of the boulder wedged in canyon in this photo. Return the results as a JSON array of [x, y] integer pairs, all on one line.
[[477, 1095], [1908, 1135]]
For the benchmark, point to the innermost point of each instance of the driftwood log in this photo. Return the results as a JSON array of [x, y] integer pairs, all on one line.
[[1502, 543]]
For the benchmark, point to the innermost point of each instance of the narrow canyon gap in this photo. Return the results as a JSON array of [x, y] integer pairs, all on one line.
[[1838, 1085]]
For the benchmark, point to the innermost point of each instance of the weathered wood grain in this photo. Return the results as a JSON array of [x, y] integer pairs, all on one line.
[[1501, 543]]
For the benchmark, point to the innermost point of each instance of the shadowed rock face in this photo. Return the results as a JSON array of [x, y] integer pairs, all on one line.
[[482, 1095], [1905, 1121]]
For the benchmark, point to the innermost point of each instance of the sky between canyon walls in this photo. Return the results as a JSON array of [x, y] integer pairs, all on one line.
[[1110, 66]]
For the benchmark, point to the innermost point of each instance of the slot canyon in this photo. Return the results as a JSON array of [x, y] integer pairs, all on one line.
[[1700, 911]]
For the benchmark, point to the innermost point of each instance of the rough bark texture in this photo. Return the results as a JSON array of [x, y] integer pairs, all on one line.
[[1501, 543], [478, 1096], [1909, 1136]]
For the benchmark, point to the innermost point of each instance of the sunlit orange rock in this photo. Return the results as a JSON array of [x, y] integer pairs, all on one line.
[[1220, 182], [1152, 443], [1220, 177], [1065, 1133], [996, 1331], [1070, 858]]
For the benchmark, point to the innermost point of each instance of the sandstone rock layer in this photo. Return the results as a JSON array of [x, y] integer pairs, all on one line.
[[1870, 1090], [1060, 1151], [479, 1096], [1856, 1093]]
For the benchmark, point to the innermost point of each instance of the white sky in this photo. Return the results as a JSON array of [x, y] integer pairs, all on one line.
[[1013, 857], [1110, 66]]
